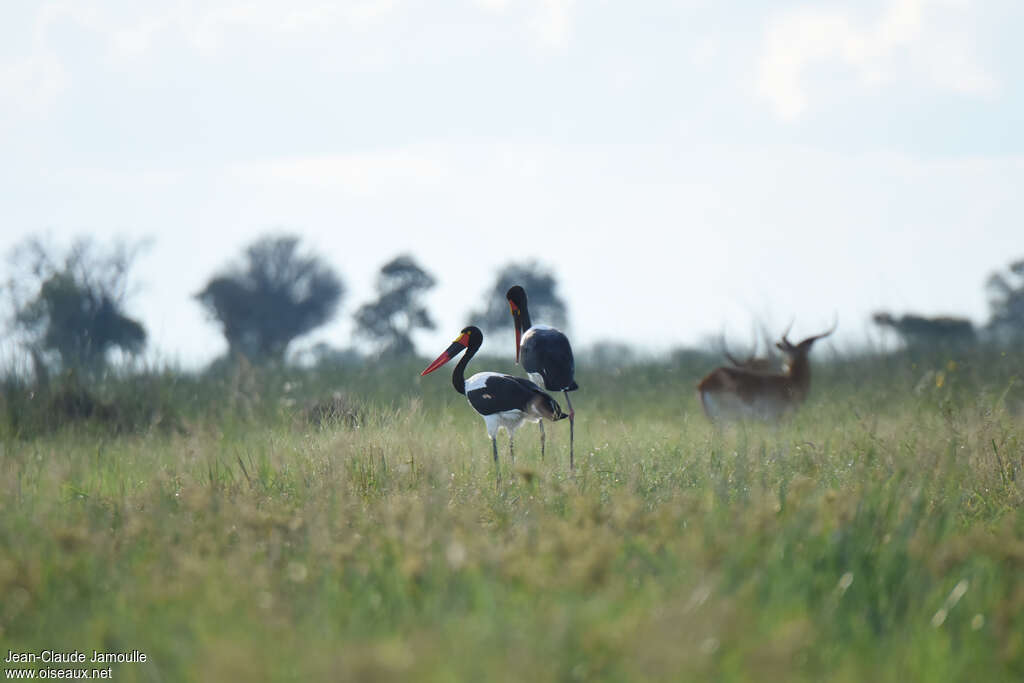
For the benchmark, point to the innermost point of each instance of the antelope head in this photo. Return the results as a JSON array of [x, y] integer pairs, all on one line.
[[797, 353]]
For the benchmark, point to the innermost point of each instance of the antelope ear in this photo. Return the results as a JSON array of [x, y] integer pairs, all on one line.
[[780, 346]]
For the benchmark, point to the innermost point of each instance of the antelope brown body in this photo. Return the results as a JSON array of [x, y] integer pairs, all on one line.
[[751, 362]]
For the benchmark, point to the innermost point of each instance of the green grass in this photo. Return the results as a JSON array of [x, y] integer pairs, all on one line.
[[877, 535]]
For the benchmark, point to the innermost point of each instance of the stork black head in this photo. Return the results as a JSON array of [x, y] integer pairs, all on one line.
[[516, 297], [469, 338], [550, 409]]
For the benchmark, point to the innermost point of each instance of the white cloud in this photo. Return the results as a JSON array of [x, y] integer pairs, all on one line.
[[912, 41]]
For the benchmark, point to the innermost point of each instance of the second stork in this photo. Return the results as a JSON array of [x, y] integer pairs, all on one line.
[[546, 355]]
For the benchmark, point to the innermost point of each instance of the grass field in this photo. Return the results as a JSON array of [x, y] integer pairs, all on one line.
[[877, 535]]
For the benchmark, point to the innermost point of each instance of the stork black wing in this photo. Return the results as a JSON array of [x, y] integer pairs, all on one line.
[[548, 353], [497, 393]]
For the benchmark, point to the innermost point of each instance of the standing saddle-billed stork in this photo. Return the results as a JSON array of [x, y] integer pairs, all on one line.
[[546, 356], [502, 400]]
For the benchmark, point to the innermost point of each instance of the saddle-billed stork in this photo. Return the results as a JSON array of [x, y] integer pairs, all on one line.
[[546, 356], [502, 400]]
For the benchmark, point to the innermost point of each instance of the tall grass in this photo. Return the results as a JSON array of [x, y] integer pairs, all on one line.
[[877, 533]]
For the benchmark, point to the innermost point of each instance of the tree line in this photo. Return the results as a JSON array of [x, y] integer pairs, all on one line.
[[69, 307]]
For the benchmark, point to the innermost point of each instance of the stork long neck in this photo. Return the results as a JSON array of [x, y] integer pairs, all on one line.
[[459, 373], [524, 318]]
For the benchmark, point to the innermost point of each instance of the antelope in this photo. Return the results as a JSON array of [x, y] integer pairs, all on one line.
[[742, 391]]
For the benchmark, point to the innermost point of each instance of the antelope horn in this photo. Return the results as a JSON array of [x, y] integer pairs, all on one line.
[[786, 333], [732, 359], [753, 347], [725, 350], [835, 324]]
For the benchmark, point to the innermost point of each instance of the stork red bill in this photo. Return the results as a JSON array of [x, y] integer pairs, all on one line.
[[438, 362]]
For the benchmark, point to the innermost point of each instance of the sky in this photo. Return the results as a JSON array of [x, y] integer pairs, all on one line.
[[685, 167]]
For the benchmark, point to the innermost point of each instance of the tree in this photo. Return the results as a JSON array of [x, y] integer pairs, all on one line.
[[546, 306], [275, 295], [397, 313], [923, 332], [1006, 300], [71, 306]]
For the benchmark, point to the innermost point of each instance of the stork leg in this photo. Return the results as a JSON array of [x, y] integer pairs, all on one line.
[[572, 425], [511, 448], [494, 447], [541, 425]]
